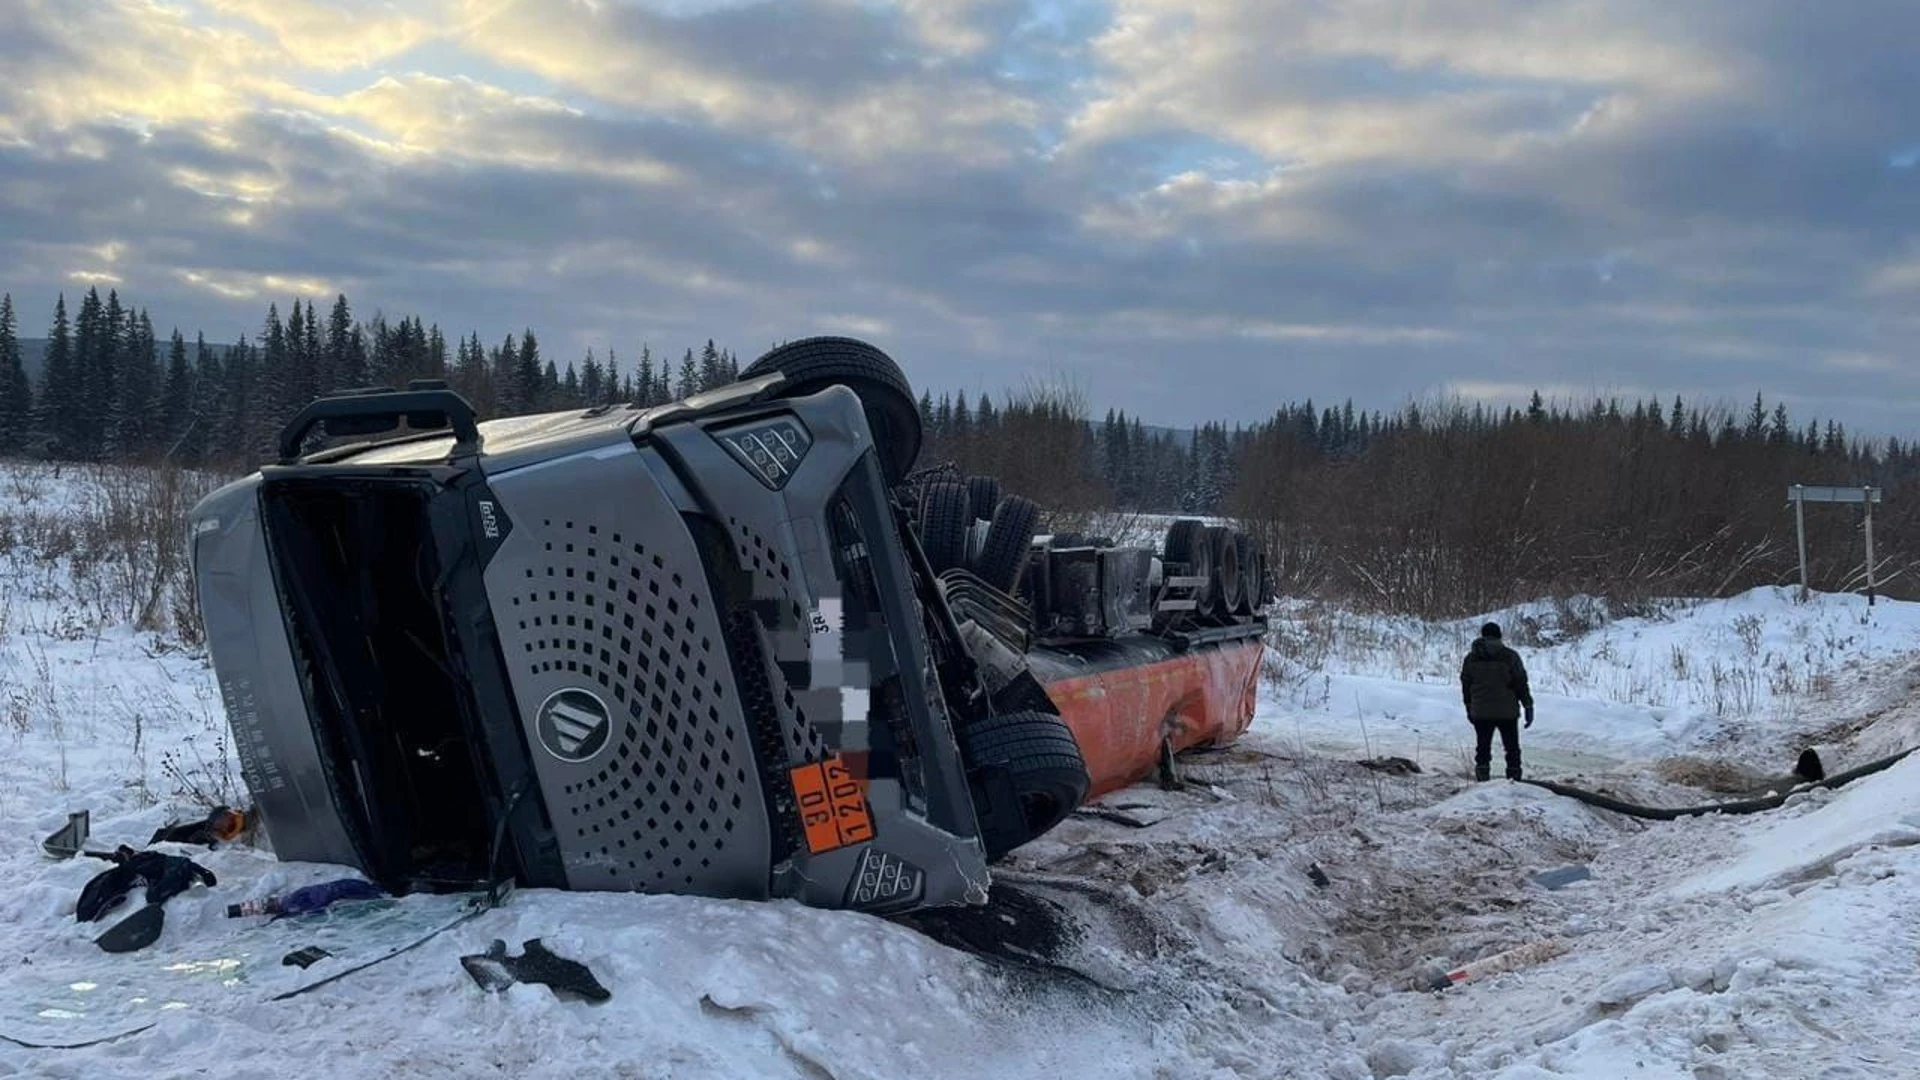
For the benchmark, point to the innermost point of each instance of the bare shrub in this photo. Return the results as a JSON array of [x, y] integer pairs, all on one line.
[[133, 521], [203, 778], [1040, 445], [1445, 509]]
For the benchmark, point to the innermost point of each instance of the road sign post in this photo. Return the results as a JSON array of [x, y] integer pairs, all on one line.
[[1869, 509], [1800, 531], [1801, 494]]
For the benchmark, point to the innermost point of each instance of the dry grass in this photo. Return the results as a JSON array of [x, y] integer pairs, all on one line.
[[96, 547]]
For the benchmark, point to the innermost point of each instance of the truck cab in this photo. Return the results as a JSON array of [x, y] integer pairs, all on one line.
[[680, 649], [732, 646]]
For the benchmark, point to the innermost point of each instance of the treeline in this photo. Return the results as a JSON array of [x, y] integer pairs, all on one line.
[[110, 390], [1453, 509], [1434, 510], [1042, 436]]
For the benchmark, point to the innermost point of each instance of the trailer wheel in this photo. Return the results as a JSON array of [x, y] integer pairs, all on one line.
[[1009, 542], [984, 493], [945, 517], [1226, 570], [1262, 582], [813, 364], [1249, 561], [1186, 544], [1045, 770]]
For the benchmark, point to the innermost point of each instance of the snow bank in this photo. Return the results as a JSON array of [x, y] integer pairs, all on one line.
[[1736, 678]]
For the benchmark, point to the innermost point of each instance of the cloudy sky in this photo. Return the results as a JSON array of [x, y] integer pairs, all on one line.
[[1190, 209]]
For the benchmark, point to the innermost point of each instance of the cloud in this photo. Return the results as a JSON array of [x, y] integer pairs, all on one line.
[[830, 78], [1194, 210]]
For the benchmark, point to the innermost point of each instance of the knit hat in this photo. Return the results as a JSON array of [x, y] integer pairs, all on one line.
[[1490, 630]]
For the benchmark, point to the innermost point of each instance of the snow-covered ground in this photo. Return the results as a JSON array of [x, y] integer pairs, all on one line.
[[1271, 919]]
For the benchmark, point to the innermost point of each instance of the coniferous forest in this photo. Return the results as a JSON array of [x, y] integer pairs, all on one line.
[[1434, 509]]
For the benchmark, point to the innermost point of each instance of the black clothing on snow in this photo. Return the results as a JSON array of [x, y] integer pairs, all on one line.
[[494, 970], [1493, 682]]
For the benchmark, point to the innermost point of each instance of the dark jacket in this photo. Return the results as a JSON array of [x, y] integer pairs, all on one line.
[[1493, 682]]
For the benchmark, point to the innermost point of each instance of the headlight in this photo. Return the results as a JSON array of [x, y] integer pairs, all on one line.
[[771, 449]]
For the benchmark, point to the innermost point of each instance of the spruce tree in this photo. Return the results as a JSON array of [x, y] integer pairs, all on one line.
[[274, 382], [643, 378], [313, 358], [471, 379], [240, 424], [16, 395], [506, 379], [346, 365], [176, 396], [689, 378], [712, 374], [590, 389], [134, 427], [533, 397], [58, 380], [209, 388], [79, 427]]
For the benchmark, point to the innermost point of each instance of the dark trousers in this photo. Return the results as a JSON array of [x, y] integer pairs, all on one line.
[[1483, 746]]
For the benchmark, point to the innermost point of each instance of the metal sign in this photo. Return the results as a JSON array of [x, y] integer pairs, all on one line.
[[1804, 493]]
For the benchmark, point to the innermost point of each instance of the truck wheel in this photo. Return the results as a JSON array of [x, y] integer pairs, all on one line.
[[984, 492], [1249, 562], [945, 516], [1186, 544], [813, 364], [1047, 772], [1009, 542], [1226, 570]]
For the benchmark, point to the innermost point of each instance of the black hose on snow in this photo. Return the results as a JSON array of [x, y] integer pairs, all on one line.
[[1743, 806]]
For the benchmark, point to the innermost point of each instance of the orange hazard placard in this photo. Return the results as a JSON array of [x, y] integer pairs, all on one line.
[[831, 806]]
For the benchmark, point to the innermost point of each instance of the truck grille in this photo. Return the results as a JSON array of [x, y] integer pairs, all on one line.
[[670, 794]]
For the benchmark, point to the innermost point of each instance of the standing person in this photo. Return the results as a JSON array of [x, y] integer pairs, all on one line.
[[1493, 682]]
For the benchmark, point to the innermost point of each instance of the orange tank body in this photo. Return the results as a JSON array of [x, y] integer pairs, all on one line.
[[1123, 699]]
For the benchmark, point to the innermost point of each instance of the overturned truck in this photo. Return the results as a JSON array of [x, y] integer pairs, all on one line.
[[732, 646]]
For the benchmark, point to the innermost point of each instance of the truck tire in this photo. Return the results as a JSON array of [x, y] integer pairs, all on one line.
[[1262, 582], [1048, 774], [984, 493], [1186, 544], [1249, 561], [945, 516], [1227, 585], [1003, 557], [813, 364]]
